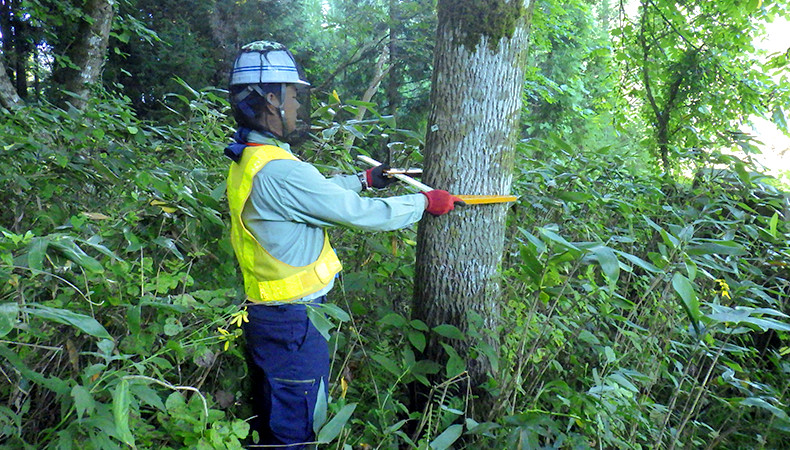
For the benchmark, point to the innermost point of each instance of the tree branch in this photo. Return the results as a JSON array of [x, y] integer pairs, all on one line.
[[358, 55]]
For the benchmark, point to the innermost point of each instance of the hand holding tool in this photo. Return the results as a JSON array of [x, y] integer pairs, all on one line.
[[441, 202], [467, 199], [377, 178]]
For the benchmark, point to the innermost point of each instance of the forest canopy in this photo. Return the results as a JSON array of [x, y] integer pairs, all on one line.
[[644, 272]]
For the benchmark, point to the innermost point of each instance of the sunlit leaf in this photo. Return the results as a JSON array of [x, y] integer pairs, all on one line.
[[609, 263], [447, 438], [82, 322], [120, 409], [319, 320], [332, 429], [8, 317], [760, 403], [685, 290], [321, 408]]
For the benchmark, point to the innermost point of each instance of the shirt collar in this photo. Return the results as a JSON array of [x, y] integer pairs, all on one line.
[[266, 138]]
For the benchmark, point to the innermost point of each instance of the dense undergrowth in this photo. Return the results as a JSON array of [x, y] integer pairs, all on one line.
[[639, 312]]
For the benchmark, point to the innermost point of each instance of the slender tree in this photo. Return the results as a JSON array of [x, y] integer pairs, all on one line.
[[15, 38], [686, 64], [473, 128], [89, 50], [8, 95]]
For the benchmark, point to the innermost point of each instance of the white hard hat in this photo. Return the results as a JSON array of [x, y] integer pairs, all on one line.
[[265, 62]]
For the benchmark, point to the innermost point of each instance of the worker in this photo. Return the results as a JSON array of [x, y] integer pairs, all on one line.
[[280, 208]]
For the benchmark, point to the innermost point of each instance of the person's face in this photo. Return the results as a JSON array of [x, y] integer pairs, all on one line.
[[291, 108], [290, 105]]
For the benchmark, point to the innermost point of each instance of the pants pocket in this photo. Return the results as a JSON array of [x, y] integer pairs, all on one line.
[[292, 404]]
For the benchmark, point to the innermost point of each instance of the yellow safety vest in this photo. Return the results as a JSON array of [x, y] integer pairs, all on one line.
[[266, 278]]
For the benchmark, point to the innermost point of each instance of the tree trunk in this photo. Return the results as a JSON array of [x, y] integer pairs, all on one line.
[[15, 50], [473, 129], [8, 95], [89, 51], [394, 82]]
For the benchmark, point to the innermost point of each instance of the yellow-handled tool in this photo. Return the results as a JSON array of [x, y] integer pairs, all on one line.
[[468, 199]]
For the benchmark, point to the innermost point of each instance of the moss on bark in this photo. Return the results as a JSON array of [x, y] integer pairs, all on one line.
[[475, 19]]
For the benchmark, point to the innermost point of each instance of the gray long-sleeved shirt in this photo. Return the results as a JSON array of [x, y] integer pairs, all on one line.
[[291, 203]]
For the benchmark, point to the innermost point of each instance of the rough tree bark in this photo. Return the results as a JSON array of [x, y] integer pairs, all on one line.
[[476, 98], [89, 50]]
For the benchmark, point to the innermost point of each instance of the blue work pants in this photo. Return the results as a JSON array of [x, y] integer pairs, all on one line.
[[288, 358]]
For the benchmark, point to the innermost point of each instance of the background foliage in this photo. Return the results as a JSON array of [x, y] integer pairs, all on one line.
[[646, 305]]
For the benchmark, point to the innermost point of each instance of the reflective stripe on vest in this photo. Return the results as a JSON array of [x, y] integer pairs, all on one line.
[[266, 278]]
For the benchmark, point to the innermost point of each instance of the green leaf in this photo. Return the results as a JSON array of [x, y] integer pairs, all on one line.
[[319, 321], [172, 326], [86, 324], [760, 403], [54, 383], [83, 400], [368, 105], [168, 244], [474, 427], [574, 197], [417, 339], [772, 225], [321, 408], [143, 392], [36, 251], [449, 331], [72, 251], [120, 411], [589, 338], [394, 319], [718, 248], [175, 403], [778, 116], [690, 303], [455, 364], [394, 427], [742, 315], [609, 353], [419, 325], [670, 240], [335, 312], [240, 428], [387, 364], [531, 264], [490, 352], [552, 236], [767, 324], [8, 317], [447, 438], [332, 429], [609, 263], [638, 261], [623, 381]]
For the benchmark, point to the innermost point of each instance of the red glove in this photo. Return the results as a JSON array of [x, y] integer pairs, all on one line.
[[441, 202]]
